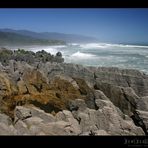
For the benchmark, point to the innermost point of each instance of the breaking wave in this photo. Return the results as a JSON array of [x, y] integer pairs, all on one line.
[[100, 54], [106, 45], [82, 55]]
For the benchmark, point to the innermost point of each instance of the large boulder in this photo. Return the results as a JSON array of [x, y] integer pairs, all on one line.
[[46, 117], [22, 113]]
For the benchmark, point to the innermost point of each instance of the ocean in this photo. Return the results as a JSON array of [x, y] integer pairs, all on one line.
[[101, 54]]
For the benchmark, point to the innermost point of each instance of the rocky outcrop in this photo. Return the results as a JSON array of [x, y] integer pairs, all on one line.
[[28, 56], [50, 98], [123, 97], [106, 118], [30, 120], [67, 69], [135, 79], [23, 84]]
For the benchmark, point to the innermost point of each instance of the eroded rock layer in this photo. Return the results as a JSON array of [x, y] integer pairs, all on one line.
[[68, 99]]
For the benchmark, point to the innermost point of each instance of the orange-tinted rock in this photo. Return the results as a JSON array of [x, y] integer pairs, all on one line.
[[34, 88], [22, 88]]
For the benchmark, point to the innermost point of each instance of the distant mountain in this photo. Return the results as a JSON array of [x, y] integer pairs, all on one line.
[[11, 38], [69, 38]]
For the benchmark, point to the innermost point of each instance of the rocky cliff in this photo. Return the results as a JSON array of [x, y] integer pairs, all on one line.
[[54, 98]]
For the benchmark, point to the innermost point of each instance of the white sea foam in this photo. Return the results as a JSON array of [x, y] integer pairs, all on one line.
[[73, 44], [124, 46], [106, 45], [92, 45], [81, 55], [100, 54]]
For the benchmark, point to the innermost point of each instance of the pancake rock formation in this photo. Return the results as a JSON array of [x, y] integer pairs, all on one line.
[[50, 97]]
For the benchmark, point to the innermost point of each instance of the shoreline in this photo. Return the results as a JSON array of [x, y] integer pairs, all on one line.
[[76, 54]]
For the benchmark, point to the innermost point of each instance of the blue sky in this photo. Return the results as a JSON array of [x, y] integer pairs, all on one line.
[[114, 25]]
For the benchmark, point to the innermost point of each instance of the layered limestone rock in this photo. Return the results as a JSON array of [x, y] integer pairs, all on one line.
[[106, 118], [30, 120], [138, 81], [71, 70], [122, 97], [67, 99], [32, 87]]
